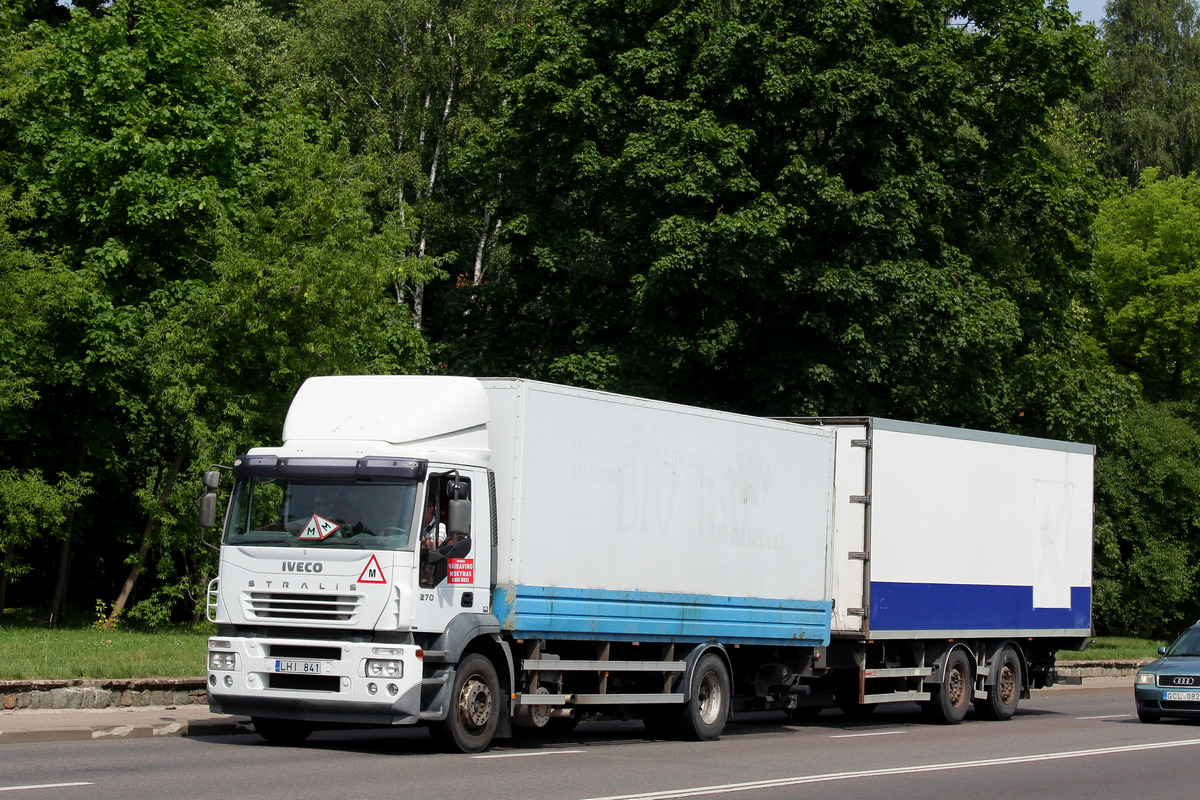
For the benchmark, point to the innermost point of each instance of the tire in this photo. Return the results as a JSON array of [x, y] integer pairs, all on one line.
[[952, 697], [707, 706], [1149, 717], [475, 706], [281, 731], [1004, 695]]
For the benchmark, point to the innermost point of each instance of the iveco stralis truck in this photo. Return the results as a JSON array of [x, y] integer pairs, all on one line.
[[475, 555]]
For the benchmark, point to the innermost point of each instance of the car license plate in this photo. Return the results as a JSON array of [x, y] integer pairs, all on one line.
[[309, 667], [1192, 697]]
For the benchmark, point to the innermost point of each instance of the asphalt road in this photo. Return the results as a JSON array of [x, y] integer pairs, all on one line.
[[1070, 745]]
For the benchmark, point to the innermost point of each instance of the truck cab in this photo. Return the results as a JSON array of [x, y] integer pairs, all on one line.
[[353, 571]]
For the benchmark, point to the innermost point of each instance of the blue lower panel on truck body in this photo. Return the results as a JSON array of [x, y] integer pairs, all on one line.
[[937, 607], [557, 613]]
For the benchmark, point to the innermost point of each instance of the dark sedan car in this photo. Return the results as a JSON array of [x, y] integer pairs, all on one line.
[[1170, 686]]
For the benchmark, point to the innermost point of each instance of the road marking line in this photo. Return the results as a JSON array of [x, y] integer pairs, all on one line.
[[527, 755], [1108, 716], [859, 735], [698, 791], [42, 786]]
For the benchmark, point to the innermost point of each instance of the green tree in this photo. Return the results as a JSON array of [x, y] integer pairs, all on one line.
[[1148, 103], [407, 82], [1148, 262], [1148, 523], [820, 207], [228, 251]]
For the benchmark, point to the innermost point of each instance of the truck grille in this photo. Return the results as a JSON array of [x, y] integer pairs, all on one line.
[[310, 607]]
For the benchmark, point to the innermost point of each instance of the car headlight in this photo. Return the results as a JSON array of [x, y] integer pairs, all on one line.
[[222, 661], [378, 668], [1144, 678]]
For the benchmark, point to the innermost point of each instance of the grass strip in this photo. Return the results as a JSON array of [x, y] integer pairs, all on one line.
[[33, 654]]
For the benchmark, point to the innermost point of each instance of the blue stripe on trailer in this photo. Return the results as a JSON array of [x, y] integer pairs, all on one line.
[[549, 612], [971, 607]]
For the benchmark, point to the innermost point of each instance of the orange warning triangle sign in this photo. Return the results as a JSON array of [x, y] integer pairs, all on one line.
[[372, 573]]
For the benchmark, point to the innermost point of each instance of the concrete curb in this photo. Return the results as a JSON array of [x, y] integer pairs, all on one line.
[[69, 727]]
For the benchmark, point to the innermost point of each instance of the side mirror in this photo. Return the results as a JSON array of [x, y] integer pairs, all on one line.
[[458, 518], [208, 508], [212, 480], [1162, 651]]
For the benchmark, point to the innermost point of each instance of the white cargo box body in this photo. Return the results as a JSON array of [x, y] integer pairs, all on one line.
[[953, 532], [638, 520]]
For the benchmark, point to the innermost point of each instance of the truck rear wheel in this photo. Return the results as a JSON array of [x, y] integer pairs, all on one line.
[[474, 710], [281, 731], [952, 696], [707, 706], [1004, 695]]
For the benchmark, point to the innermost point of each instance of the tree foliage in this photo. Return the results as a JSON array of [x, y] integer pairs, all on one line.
[[1148, 103], [833, 207]]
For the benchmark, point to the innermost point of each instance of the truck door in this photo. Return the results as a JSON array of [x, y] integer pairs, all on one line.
[[453, 570], [851, 538]]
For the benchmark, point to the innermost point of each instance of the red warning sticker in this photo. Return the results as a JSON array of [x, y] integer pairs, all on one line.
[[372, 573], [460, 570], [318, 528]]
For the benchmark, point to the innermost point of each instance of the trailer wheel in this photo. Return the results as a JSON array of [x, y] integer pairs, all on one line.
[[1004, 695], [952, 696], [475, 707], [707, 706], [281, 731]]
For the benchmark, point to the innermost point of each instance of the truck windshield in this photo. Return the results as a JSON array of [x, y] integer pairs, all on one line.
[[294, 512]]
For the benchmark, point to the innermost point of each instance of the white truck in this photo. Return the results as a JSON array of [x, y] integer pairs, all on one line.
[[478, 554]]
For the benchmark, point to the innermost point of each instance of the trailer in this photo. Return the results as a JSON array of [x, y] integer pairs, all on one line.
[[475, 555]]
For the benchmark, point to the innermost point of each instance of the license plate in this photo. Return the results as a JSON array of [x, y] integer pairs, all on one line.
[[307, 667], [1192, 697]]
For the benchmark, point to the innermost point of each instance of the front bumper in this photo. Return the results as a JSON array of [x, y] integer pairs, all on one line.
[[328, 683], [1152, 699]]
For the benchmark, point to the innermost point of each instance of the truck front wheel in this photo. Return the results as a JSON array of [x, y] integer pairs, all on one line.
[[474, 710]]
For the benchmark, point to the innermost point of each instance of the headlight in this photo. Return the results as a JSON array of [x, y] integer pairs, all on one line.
[[1144, 678], [222, 661], [384, 669]]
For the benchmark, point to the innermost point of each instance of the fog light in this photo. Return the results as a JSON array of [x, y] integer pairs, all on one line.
[[212, 680], [393, 689], [372, 688], [229, 681]]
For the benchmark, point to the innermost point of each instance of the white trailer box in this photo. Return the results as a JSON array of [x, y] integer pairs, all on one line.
[[945, 532], [641, 520]]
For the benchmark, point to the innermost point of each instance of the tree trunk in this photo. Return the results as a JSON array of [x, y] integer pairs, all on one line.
[[59, 601], [143, 548], [10, 552]]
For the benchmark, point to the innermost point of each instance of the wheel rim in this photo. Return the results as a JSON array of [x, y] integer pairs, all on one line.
[[1006, 684], [956, 683], [708, 698], [475, 703]]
